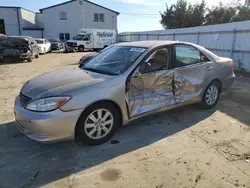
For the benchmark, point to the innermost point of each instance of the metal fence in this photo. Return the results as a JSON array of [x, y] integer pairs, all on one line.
[[233, 43]]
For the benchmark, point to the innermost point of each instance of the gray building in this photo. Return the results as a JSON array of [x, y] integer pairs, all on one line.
[[59, 21]]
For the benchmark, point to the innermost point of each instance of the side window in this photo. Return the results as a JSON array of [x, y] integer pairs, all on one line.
[[188, 55], [86, 38], [157, 61]]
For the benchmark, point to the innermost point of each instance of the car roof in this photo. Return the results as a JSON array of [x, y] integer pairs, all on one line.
[[147, 44], [157, 43]]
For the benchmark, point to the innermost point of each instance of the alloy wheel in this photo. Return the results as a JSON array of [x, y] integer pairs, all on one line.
[[98, 124], [211, 95]]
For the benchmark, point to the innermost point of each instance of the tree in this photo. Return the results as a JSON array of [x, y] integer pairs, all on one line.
[[182, 15], [220, 14], [243, 14]]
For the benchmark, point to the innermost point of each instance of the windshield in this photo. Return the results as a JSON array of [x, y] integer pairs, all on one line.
[[78, 37], [52, 40], [114, 60], [39, 41]]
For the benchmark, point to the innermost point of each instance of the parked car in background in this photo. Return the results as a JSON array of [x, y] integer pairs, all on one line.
[[84, 59], [34, 48], [56, 44], [18, 48], [123, 83], [44, 45]]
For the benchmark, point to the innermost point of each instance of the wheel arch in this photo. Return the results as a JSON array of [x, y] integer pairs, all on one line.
[[105, 101], [218, 81]]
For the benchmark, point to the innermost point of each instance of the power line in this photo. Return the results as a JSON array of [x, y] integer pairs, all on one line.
[[139, 14]]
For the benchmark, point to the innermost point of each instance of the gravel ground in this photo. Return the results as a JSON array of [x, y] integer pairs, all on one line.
[[186, 147]]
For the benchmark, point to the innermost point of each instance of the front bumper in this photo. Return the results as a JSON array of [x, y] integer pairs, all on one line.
[[55, 47], [16, 57], [46, 127]]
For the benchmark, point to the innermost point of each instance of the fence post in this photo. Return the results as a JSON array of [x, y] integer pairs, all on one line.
[[198, 37], [233, 43], [157, 36], [130, 37], [173, 36], [147, 35]]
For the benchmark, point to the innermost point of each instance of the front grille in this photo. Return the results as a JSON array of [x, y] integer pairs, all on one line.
[[73, 44], [24, 99]]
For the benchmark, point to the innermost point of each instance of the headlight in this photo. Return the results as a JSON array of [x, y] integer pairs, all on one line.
[[47, 104]]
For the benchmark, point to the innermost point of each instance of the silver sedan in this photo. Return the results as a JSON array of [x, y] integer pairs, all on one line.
[[125, 82]]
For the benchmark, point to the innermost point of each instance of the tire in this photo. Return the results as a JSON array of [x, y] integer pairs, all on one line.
[[29, 60], [83, 133], [81, 48], [105, 46], [37, 55], [211, 95]]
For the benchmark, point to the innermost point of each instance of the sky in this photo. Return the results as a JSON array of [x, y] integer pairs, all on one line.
[[128, 20]]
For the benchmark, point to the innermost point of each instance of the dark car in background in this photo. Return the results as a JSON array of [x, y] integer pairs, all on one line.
[[84, 59], [18, 48], [56, 44]]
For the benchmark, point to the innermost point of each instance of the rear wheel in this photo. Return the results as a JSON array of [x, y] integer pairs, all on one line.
[[97, 124], [211, 95], [81, 48]]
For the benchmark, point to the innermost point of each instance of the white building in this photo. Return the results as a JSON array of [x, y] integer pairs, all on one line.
[[59, 21]]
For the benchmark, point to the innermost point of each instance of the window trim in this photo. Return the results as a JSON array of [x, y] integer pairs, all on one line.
[[173, 63]]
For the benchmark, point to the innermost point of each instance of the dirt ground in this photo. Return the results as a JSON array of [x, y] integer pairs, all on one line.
[[186, 147]]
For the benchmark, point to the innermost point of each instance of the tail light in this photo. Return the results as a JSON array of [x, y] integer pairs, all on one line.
[[233, 66]]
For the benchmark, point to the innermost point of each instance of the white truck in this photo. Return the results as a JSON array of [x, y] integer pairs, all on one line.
[[95, 39]]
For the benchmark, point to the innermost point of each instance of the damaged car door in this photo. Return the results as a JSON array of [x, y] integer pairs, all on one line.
[[191, 71], [151, 85]]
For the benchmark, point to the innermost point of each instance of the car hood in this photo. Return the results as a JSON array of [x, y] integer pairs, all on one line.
[[61, 82], [11, 42]]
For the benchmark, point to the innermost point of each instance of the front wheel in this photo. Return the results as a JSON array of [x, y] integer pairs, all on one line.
[[81, 48], [97, 124], [30, 59], [211, 95], [37, 55]]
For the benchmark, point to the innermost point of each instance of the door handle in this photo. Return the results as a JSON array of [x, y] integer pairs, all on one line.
[[208, 68]]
